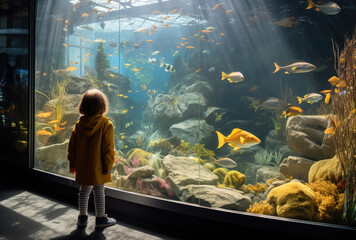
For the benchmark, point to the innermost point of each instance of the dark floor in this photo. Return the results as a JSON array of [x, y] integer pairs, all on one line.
[[26, 215]]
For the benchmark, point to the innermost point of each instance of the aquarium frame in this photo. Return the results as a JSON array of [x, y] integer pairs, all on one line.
[[173, 207]]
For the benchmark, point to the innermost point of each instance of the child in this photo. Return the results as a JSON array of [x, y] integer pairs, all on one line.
[[91, 155]]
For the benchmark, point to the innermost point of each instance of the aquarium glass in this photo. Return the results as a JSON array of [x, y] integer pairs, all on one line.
[[227, 104]]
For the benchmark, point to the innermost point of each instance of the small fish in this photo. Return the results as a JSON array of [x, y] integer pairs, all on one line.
[[156, 12], [191, 47], [292, 111], [334, 80], [210, 28], [87, 28], [198, 70], [71, 69], [153, 61], [342, 184], [43, 132], [327, 98], [212, 69], [155, 53], [128, 124], [175, 53], [297, 67], [270, 103], [44, 74], [65, 45], [140, 30], [218, 6], [174, 10], [166, 18], [310, 98], [139, 141], [226, 162], [167, 67], [115, 67], [328, 8], [228, 11], [205, 31], [233, 77], [254, 88], [127, 64], [99, 40], [143, 87], [135, 69], [85, 60], [124, 111], [205, 52], [102, 25], [186, 39], [221, 34], [238, 139], [341, 84], [149, 41], [73, 62], [329, 130], [218, 117], [325, 91], [112, 75], [43, 114], [286, 22], [86, 55], [85, 15], [112, 44]]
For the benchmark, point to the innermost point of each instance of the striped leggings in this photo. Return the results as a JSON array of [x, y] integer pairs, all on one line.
[[99, 199]]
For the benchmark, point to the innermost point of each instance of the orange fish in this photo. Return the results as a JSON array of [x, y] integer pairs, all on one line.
[[197, 70], [71, 69], [179, 11], [65, 45], [43, 132], [136, 45], [238, 139], [341, 84], [190, 47], [327, 98], [326, 91], [149, 41], [85, 60], [205, 31], [85, 15], [166, 25], [334, 80], [174, 10], [166, 18], [217, 6], [292, 111], [135, 69], [228, 11], [222, 34], [44, 114], [155, 12], [329, 130], [186, 39]]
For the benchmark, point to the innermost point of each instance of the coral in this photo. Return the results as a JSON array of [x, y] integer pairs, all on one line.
[[329, 201], [221, 173], [328, 170], [185, 148], [234, 179], [257, 188], [293, 200], [210, 166], [262, 207], [164, 147], [142, 156]]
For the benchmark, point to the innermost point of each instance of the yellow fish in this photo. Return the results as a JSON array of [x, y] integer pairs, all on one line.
[[334, 80], [86, 55], [43, 132], [112, 75], [44, 114], [125, 111], [143, 87], [127, 64], [71, 69], [233, 77], [238, 139], [135, 69]]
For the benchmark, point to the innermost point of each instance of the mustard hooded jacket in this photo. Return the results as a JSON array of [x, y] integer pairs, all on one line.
[[91, 150]]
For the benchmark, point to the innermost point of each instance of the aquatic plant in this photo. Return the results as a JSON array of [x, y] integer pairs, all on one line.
[[262, 207], [344, 121], [155, 163], [185, 148], [257, 188], [101, 61], [221, 173], [329, 201], [266, 157]]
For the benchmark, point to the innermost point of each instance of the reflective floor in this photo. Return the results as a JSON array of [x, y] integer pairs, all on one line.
[[26, 215]]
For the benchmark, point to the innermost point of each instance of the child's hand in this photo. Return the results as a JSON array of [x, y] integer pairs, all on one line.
[[72, 171]]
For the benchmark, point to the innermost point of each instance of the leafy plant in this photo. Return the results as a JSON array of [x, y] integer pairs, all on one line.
[[265, 157]]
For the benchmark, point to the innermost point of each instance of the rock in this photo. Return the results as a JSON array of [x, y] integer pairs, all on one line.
[[183, 171], [293, 200], [297, 167], [306, 138], [53, 158], [266, 173], [78, 85], [212, 196], [328, 170], [202, 87], [274, 140], [142, 172], [192, 131], [169, 109]]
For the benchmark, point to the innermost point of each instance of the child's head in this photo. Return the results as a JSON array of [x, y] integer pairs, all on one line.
[[93, 102]]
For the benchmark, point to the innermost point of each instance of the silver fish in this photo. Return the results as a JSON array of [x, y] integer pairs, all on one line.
[[310, 98], [328, 8], [167, 67], [297, 67], [226, 162]]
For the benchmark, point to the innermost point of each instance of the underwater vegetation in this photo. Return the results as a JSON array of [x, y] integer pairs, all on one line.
[[343, 129], [269, 157]]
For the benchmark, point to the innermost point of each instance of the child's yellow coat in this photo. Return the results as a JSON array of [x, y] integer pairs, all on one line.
[[91, 150]]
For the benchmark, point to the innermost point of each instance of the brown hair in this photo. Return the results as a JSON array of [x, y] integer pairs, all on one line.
[[93, 102]]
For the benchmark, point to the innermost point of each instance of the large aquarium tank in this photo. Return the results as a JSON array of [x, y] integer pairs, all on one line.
[[245, 105]]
